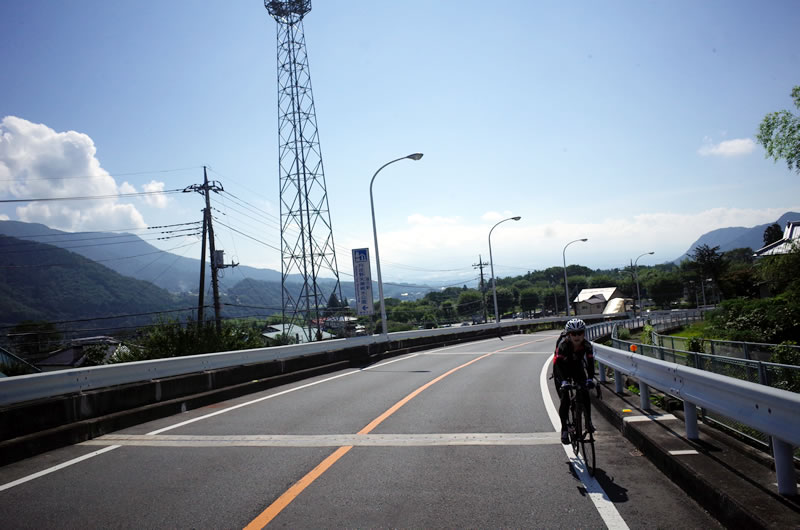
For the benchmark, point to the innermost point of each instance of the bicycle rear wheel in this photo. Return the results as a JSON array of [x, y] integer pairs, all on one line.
[[587, 451]]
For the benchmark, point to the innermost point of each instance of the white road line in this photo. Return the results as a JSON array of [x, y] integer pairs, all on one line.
[[498, 354], [684, 452], [648, 417], [56, 468], [328, 440], [608, 512], [111, 448], [164, 429], [259, 400]]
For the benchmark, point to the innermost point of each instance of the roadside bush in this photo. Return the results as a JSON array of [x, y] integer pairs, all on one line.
[[789, 379], [623, 334], [696, 344], [647, 334], [771, 320], [170, 338]]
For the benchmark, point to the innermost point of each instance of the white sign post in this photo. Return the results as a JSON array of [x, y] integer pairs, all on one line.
[[363, 281]]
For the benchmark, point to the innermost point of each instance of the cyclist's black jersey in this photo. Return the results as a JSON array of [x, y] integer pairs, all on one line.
[[569, 364]]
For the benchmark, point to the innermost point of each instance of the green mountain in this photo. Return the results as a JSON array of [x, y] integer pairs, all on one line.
[[737, 236], [44, 282]]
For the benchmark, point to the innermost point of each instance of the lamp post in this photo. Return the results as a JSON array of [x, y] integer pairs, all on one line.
[[564, 257], [415, 156], [636, 275], [491, 263]]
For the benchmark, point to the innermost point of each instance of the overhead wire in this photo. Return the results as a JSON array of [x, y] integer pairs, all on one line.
[[93, 197], [104, 176]]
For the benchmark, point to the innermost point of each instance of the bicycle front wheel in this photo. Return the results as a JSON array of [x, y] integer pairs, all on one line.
[[587, 451], [577, 431]]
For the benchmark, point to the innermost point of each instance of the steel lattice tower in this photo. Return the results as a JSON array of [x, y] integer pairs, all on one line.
[[307, 246]]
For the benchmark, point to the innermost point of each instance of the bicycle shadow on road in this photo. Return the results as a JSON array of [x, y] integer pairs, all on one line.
[[616, 493]]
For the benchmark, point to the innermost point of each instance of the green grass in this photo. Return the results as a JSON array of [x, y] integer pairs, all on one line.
[[700, 330]]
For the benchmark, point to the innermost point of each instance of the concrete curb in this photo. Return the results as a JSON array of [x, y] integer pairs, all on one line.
[[716, 477]]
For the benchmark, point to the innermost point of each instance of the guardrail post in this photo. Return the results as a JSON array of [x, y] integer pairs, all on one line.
[[644, 396], [601, 373], [690, 418], [618, 382], [762, 374], [784, 467]]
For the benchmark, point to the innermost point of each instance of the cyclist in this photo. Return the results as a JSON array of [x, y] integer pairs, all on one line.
[[574, 360]]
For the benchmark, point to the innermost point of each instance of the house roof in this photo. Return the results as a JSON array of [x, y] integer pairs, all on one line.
[[791, 237], [615, 305], [291, 330], [602, 295]]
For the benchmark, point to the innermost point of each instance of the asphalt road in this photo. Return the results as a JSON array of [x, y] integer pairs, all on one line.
[[453, 437]]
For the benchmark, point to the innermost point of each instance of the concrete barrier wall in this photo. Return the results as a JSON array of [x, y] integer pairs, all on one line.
[[48, 410]]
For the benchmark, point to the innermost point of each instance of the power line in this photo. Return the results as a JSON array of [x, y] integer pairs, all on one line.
[[93, 197], [51, 247], [102, 176], [95, 260], [92, 319], [246, 235]]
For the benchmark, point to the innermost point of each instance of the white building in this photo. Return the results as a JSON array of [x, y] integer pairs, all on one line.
[[594, 301], [791, 238]]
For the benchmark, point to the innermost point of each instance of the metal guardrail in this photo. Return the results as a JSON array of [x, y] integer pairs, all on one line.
[[757, 351], [49, 384], [769, 410], [776, 375], [662, 320]]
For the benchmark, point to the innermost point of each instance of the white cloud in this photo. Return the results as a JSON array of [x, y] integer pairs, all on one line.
[[125, 187], [440, 248], [38, 162], [158, 201], [496, 216], [738, 147]]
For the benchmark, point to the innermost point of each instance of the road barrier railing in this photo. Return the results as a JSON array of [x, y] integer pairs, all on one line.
[[49, 384], [769, 410]]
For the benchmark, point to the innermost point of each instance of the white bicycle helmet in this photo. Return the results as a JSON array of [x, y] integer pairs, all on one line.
[[576, 324]]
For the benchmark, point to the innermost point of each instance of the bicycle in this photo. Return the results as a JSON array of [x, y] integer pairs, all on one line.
[[582, 441]]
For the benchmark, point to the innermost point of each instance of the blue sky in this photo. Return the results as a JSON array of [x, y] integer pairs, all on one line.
[[630, 123]]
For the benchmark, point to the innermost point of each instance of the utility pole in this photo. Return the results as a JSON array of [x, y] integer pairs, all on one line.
[[202, 291], [555, 291], [217, 261], [481, 264]]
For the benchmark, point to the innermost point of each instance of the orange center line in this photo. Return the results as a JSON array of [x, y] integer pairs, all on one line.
[[265, 517]]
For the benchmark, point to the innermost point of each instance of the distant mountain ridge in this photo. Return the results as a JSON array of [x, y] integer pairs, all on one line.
[[737, 237], [43, 282], [130, 255]]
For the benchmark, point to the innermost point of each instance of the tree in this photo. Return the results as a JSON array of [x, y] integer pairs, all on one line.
[[505, 300], [779, 133], [529, 299], [772, 234], [469, 303], [709, 260], [739, 255], [448, 311], [780, 272], [333, 307], [665, 289]]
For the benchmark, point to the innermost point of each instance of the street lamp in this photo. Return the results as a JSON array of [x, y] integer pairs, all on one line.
[[636, 275], [564, 257], [415, 156], [491, 263]]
